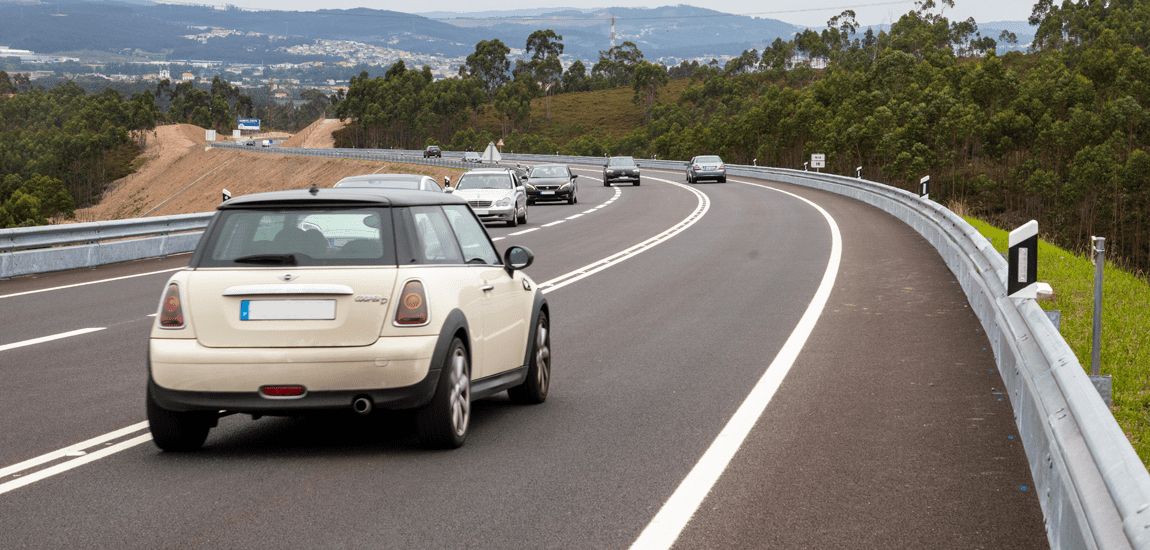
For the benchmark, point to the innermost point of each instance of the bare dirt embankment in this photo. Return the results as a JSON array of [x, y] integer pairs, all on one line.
[[181, 175]]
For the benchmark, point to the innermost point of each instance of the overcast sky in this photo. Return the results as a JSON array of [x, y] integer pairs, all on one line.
[[810, 13]]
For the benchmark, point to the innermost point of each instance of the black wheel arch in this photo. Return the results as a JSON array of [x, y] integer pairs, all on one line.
[[540, 305]]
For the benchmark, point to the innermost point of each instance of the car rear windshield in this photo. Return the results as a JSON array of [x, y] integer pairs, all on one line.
[[300, 237], [708, 160], [621, 161]]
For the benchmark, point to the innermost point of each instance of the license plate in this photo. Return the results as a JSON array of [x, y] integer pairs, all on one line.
[[293, 310], [546, 192], [480, 212]]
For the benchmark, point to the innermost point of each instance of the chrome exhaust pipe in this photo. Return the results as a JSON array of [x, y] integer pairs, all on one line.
[[362, 405]]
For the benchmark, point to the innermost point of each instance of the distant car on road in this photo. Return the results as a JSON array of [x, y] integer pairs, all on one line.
[[266, 143], [621, 169], [551, 182], [706, 167], [250, 143], [306, 301], [496, 194], [433, 151], [472, 156], [393, 181]]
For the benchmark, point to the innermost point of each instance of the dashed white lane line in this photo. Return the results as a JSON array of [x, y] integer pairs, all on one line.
[[554, 223], [522, 232], [591, 211], [90, 282], [43, 339], [575, 216], [673, 517]]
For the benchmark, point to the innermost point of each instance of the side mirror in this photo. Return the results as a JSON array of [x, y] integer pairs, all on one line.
[[517, 257], [448, 189], [574, 177]]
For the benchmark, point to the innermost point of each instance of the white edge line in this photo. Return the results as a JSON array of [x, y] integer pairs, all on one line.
[[92, 282], [33, 462], [673, 517], [63, 467], [43, 339]]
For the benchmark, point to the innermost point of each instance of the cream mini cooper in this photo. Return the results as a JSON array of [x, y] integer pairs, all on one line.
[[326, 299]]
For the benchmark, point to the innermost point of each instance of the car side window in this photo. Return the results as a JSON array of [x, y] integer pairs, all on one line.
[[477, 248], [436, 240]]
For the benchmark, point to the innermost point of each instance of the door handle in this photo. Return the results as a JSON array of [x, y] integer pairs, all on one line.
[[488, 288]]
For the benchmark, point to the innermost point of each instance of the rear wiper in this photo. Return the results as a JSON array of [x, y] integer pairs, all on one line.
[[267, 259]]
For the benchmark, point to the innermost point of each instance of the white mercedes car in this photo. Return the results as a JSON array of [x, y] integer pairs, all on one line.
[[349, 298], [496, 194]]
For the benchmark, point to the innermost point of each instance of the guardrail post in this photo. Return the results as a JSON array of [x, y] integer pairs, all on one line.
[[1101, 383]]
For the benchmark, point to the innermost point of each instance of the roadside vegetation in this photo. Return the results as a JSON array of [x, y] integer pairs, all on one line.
[[1125, 338]]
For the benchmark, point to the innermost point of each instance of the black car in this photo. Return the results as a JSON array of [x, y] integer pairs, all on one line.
[[621, 169], [551, 182], [433, 151]]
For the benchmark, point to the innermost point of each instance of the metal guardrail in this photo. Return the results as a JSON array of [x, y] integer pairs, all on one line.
[[1093, 488], [30, 250]]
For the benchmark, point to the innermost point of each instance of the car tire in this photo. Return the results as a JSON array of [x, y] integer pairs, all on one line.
[[606, 182], [178, 432], [534, 389], [637, 181], [514, 221], [723, 179], [443, 423], [523, 220], [572, 199]]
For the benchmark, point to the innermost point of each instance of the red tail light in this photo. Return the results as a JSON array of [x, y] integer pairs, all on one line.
[[412, 309], [283, 391], [172, 310]]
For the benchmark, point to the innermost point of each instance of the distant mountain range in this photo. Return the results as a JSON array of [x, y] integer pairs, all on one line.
[[143, 29]]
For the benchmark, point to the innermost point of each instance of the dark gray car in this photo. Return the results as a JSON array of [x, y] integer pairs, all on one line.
[[621, 169], [551, 182]]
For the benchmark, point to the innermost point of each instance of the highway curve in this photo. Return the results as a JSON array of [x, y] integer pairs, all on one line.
[[889, 430]]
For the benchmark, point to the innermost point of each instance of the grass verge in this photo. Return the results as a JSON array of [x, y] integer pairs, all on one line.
[[1125, 333]]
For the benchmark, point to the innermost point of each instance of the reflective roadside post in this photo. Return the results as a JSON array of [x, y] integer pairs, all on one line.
[[1101, 383], [924, 187], [858, 172]]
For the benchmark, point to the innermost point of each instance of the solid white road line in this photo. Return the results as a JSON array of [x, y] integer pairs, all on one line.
[[586, 271], [55, 455], [43, 339], [91, 282], [673, 517], [75, 463]]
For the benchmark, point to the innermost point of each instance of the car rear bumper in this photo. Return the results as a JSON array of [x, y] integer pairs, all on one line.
[[710, 174], [394, 372]]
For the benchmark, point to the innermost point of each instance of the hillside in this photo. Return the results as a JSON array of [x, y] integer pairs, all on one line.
[[181, 175]]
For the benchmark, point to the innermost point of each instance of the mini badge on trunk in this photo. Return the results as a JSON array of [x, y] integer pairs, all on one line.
[[288, 277]]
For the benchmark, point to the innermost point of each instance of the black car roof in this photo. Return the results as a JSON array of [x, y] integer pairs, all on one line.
[[340, 197]]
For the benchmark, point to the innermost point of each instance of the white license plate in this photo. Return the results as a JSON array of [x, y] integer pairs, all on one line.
[[479, 212], [546, 192], [294, 310]]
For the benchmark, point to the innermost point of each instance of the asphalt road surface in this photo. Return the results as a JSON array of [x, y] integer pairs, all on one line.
[[858, 403]]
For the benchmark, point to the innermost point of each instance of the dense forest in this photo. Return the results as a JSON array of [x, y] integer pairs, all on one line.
[[1058, 134]]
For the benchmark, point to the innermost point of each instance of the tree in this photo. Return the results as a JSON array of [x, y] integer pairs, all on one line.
[[545, 48], [489, 64], [617, 64], [647, 79]]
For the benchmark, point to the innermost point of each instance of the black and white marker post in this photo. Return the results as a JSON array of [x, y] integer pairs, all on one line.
[[924, 188], [227, 195], [1022, 271]]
